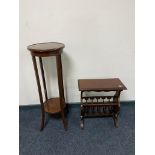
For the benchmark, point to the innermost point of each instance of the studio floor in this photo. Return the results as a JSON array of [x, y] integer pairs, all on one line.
[[99, 136]]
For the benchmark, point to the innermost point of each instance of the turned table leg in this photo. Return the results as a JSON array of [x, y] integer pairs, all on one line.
[[82, 117], [115, 118], [82, 113], [116, 108]]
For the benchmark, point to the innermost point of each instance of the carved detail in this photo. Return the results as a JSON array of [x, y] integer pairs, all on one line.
[[92, 106]]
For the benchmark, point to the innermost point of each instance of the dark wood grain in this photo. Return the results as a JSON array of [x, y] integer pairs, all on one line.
[[52, 105], [97, 105], [39, 91], [101, 84], [46, 49], [43, 77], [48, 46], [61, 88]]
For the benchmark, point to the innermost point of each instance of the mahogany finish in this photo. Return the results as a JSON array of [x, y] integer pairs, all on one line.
[[101, 84], [46, 49], [50, 105], [100, 105]]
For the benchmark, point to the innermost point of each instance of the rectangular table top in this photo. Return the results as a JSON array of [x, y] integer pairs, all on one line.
[[100, 84]]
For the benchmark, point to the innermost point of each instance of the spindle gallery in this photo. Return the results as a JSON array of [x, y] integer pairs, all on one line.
[[99, 106]]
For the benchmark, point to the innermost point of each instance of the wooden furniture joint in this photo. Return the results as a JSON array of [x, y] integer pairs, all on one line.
[[100, 105], [50, 105]]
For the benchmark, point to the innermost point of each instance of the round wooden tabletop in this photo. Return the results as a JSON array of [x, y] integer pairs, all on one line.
[[46, 49]]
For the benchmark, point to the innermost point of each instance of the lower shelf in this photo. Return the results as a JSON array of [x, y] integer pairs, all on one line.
[[53, 105]]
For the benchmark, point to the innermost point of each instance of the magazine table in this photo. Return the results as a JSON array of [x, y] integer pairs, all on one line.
[[100, 105], [50, 105]]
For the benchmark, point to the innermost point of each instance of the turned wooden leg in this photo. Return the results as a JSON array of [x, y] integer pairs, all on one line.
[[116, 109], [115, 115], [82, 122], [82, 117], [115, 118]]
